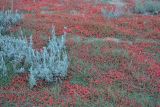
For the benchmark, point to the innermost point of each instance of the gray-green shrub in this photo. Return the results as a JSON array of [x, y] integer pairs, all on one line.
[[7, 19], [48, 64], [148, 6], [52, 62], [119, 10]]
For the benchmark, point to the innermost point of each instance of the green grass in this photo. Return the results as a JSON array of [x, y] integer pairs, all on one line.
[[124, 37], [108, 66], [120, 52], [44, 37], [100, 102], [96, 46], [24, 32], [5, 80], [144, 99], [157, 57], [105, 1], [56, 90], [8, 104], [153, 50], [80, 77], [139, 40]]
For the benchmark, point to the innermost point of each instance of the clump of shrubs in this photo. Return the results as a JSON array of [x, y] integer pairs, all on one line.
[[49, 64], [105, 1], [113, 14], [8, 19], [147, 7]]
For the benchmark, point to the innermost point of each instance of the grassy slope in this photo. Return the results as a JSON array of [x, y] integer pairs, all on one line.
[[109, 71]]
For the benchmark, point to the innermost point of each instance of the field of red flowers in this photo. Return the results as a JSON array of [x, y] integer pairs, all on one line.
[[114, 62]]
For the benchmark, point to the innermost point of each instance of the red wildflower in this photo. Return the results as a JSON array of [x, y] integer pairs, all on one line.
[[51, 101], [158, 73]]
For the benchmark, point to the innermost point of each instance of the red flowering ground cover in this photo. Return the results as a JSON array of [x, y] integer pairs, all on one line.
[[114, 62]]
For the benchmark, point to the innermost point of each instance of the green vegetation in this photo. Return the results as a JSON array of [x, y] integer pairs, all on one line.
[[153, 50], [5, 80], [149, 6], [80, 77]]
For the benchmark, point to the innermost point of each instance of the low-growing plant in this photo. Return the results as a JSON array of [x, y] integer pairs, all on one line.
[[80, 78], [48, 64], [118, 12], [120, 52], [108, 14], [3, 68], [148, 6], [112, 14], [51, 63], [105, 1], [6, 74], [7, 19], [139, 7]]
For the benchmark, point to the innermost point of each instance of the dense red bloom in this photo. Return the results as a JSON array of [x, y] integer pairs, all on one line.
[[51, 101], [158, 73], [137, 71], [75, 89]]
